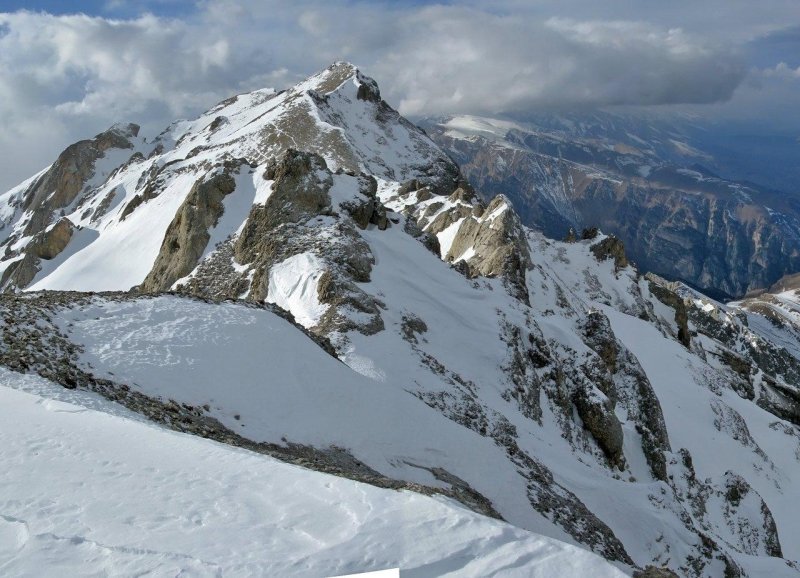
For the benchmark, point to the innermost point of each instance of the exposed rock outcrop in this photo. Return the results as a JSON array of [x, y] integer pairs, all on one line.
[[671, 299], [66, 178], [187, 236], [597, 414], [498, 242], [626, 383], [54, 240], [488, 241], [47, 244], [429, 240], [611, 248], [289, 223], [366, 209], [655, 572]]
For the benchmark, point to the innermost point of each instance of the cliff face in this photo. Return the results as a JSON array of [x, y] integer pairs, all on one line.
[[725, 246], [33, 225], [726, 238]]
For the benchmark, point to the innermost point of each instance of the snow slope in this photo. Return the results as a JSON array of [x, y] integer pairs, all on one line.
[[766, 457], [88, 490], [267, 381]]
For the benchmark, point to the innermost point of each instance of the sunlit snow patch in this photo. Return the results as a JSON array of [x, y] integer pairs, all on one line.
[[293, 286]]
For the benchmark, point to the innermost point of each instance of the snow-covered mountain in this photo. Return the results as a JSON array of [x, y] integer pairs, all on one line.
[[339, 297], [644, 180]]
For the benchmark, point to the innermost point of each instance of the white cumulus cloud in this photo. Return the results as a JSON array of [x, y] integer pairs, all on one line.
[[68, 77]]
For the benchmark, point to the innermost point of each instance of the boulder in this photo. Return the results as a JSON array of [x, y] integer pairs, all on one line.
[[52, 241], [610, 248]]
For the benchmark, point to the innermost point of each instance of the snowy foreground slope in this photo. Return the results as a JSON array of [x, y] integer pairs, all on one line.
[[87, 489], [305, 275]]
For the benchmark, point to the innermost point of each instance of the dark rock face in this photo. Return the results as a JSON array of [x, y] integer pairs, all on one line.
[[44, 200], [429, 240], [60, 185], [598, 417], [611, 248], [671, 299], [368, 90], [715, 235], [625, 382], [187, 235], [367, 210], [655, 572], [737, 491]]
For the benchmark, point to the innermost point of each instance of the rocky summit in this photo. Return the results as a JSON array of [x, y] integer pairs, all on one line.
[[306, 274]]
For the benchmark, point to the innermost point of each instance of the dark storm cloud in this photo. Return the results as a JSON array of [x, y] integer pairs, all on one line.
[[775, 47]]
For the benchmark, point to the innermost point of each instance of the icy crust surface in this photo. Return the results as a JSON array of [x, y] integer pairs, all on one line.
[[86, 490]]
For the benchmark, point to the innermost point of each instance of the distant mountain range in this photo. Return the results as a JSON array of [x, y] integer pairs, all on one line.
[[654, 183]]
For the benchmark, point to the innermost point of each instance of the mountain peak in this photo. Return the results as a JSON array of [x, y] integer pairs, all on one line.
[[336, 113], [123, 129], [344, 65], [338, 74]]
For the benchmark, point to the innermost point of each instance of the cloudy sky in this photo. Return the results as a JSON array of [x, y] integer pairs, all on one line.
[[66, 75]]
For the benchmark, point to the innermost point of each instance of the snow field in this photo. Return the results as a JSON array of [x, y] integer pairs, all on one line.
[[85, 492]]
